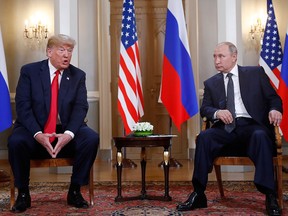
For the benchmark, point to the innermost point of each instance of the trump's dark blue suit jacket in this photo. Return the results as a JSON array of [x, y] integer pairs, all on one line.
[[258, 96], [33, 95]]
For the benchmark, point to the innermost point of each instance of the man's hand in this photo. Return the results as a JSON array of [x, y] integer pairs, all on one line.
[[43, 139], [225, 116], [275, 117], [63, 139]]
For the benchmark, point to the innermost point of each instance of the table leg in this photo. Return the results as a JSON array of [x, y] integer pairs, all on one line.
[[143, 170], [166, 174], [119, 158]]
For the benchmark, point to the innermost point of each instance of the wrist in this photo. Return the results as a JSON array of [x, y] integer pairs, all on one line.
[[216, 114], [70, 133]]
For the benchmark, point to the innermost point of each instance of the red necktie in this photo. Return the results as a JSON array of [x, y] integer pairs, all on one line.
[[50, 126]]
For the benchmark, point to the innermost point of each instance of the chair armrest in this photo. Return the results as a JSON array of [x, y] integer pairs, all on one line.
[[205, 124]]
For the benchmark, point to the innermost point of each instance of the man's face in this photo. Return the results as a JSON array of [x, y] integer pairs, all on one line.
[[224, 60], [60, 56]]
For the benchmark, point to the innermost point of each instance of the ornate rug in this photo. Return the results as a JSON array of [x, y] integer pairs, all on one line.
[[241, 198]]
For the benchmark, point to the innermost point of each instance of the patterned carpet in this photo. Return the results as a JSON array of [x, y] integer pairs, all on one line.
[[241, 198]]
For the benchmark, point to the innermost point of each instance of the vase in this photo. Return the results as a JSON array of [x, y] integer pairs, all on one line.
[[142, 133]]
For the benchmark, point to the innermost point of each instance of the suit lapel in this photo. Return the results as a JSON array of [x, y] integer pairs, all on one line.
[[243, 79], [220, 83], [46, 83], [221, 88], [64, 86]]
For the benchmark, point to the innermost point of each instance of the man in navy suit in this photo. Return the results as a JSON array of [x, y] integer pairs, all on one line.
[[73, 136], [257, 108]]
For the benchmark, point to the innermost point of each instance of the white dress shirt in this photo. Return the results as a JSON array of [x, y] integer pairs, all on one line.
[[240, 109]]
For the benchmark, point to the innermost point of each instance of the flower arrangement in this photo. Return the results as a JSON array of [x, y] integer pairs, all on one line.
[[142, 129]]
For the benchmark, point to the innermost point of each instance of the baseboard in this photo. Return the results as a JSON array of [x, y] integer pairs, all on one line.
[[191, 153]]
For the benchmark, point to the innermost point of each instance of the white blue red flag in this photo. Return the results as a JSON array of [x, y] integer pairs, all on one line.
[[275, 65], [130, 95], [177, 88], [5, 107], [283, 89], [271, 51]]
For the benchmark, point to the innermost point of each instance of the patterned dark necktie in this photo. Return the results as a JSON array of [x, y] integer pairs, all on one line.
[[50, 126], [230, 102]]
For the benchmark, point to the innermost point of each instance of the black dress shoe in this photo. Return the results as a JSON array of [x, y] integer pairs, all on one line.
[[23, 202], [75, 199], [272, 206], [194, 201]]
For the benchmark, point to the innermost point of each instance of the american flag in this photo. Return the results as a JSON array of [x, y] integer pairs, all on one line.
[[130, 95], [271, 52], [271, 58]]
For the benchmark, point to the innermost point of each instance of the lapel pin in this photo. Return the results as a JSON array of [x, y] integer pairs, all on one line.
[[67, 78]]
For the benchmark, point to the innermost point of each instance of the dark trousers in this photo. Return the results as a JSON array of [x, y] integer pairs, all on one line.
[[248, 138], [22, 147]]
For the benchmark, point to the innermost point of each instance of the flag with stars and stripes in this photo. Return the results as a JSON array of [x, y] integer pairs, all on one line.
[[275, 65], [271, 51], [130, 95]]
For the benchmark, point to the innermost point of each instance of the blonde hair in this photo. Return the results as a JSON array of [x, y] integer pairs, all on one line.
[[60, 39]]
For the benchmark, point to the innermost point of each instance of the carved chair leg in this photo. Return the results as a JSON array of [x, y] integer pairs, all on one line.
[[279, 185], [91, 187], [219, 179], [12, 189]]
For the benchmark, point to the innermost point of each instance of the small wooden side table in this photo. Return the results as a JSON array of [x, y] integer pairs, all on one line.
[[143, 143]]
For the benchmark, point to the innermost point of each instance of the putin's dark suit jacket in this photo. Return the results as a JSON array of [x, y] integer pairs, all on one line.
[[259, 98]]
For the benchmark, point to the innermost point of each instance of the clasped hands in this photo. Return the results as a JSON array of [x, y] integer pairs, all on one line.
[[275, 117], [43, 139]]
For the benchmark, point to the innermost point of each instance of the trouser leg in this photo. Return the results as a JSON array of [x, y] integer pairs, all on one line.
[[260, 150], [86, 143], [208, 145], [21, 147]]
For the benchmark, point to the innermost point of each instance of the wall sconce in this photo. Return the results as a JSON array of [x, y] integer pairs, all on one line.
[[36, 29], [257, 30]]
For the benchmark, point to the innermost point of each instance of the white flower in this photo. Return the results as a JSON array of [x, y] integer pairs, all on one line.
[[142, 126]]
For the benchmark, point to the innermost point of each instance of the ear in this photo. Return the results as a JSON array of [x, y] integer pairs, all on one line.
[[49, 52], [234, 56]]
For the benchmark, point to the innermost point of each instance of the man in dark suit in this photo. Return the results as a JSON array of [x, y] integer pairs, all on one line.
[[72, 137], [257, 107]]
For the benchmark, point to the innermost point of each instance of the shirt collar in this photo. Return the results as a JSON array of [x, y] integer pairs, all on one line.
[[234, 71], [52, 69]]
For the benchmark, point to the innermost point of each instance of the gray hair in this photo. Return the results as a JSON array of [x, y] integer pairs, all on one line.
[[60, 39], [231, 46]]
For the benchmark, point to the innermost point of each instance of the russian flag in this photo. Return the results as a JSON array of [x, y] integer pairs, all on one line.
[[5, 107], [177, 88], [283, 89]]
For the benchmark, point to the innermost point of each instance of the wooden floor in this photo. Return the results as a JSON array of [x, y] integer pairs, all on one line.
[[106, 171]]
